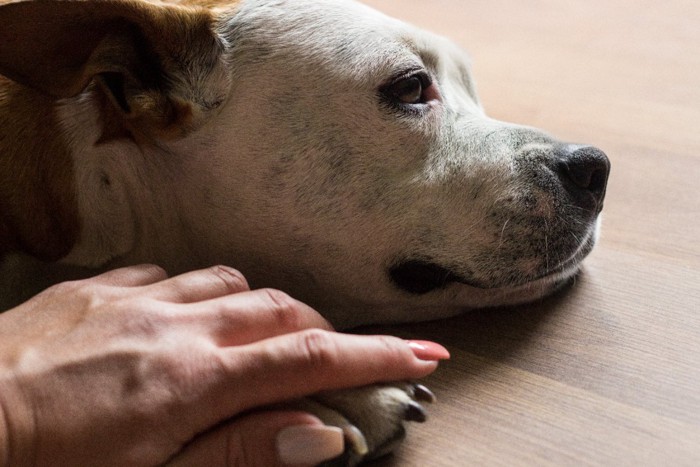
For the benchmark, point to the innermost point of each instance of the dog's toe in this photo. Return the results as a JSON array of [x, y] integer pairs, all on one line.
[[372, 417]]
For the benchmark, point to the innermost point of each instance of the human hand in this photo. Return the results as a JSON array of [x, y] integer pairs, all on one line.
[[133, 368]]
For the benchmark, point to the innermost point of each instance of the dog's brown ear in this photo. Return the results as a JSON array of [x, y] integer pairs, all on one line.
[[150, 60]]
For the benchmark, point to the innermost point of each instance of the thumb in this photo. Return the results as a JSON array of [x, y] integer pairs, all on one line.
[[264, 439]]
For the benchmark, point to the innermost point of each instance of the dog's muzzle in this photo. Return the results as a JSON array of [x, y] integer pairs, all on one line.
[[577, 176]]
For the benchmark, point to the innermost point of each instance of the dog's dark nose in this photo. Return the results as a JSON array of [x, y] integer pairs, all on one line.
[[584, 172]]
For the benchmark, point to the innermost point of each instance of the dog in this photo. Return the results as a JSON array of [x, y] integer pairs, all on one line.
[[319, 146]]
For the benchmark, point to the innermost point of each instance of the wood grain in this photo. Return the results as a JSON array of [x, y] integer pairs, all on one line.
[[608, 372]]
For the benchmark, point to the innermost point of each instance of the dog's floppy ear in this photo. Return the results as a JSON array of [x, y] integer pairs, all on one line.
[[153, 62]]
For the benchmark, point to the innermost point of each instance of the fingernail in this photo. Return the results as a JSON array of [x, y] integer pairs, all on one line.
[[309, 444], [426, 350]]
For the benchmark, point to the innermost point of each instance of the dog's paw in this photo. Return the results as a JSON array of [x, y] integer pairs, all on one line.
[[371, 417]]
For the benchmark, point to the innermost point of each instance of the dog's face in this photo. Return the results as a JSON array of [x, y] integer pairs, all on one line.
[[344, 157], [359, 171]]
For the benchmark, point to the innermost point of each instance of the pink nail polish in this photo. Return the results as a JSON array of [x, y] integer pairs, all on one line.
[[427, 350]]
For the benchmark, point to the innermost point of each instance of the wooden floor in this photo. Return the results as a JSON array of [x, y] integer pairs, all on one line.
[[607, 373]]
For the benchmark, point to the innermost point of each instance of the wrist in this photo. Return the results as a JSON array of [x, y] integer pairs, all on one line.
[[4, 448], [4, 428], [13, 432]]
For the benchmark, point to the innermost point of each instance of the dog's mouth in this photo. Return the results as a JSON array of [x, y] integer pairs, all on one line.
[[420, 274], [418, 277]]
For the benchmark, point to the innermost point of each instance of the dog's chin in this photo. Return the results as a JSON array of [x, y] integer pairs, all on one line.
[[530, 290]]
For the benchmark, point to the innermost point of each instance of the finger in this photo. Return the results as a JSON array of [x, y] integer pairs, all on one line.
[[265, 439], [314, 360], [248, 317], [199, 285], [132, 276]]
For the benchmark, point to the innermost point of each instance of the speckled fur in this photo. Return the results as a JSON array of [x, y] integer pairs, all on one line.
[[306, 180]]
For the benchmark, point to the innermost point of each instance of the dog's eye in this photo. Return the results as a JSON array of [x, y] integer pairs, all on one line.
[[410, 89]]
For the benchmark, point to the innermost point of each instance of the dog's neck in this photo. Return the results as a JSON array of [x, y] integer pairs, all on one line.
[[38, 208]]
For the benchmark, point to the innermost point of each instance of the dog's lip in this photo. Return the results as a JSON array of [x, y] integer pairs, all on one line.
[[420, 276]]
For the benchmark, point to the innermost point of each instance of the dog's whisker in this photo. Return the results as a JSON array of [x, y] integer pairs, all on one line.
[[546, 245], [503, 229]]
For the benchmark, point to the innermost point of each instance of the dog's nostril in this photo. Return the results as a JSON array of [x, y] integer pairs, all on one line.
[[586, 170]]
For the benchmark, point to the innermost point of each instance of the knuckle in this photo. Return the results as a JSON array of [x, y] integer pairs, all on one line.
[[150, 272], [86, 292], [233, 280], [280, 302], [153, 270], [286, 312], [62, 288], [318, 348]]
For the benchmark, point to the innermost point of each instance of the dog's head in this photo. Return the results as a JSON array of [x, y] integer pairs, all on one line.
[[321, 148]]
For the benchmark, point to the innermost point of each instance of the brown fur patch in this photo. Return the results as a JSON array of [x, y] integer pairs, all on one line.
[[38, 208], [56, 49], [144, 53]]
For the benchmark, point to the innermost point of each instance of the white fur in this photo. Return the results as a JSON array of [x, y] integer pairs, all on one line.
[[305, 181]]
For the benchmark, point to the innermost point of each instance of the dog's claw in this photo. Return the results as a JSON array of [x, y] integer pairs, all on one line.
[[415, 412], [423, 394], [355, 439]]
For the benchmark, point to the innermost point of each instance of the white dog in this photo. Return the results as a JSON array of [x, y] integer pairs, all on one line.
[[318, 146]]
